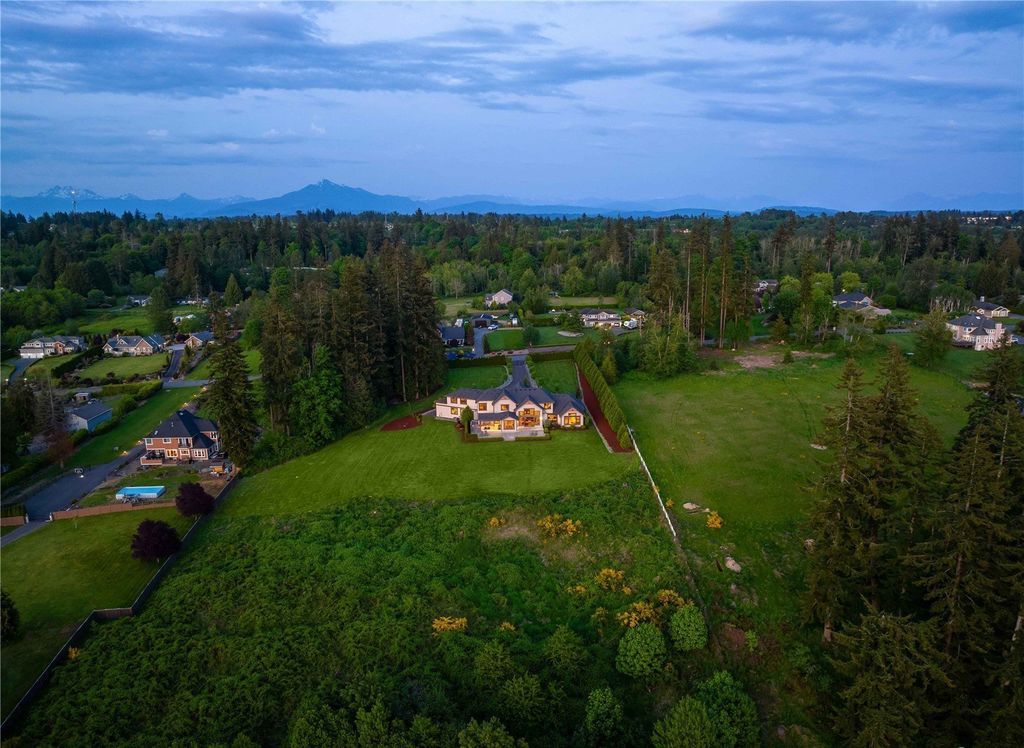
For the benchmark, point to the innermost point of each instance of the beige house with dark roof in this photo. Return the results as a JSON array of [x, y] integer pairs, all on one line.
[[509, 412]]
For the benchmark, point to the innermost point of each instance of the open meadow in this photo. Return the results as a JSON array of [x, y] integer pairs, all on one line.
[[741, 442], [205, 368], [556, 376], [59, 573]]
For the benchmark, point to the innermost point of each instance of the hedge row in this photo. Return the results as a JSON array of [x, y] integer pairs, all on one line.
[[539, 356], [75, 361], [467, 363], [140, 390], [12, 510], [605, 397]]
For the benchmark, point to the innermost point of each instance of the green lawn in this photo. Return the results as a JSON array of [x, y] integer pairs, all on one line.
[[961, 363], [41, 368], [455, 304], [739, 442], [104, 321], [6, 369], [170, 477], [556, 376], [124, 366], [205, 370], [512, 339], [475, 376], [57, 574], [557, 302], [133, 427], [428, 462]]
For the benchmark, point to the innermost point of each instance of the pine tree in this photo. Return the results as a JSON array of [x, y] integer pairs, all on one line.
[[890, 666], [932, 340], [281, 360], [158, 311], [839, 518], [230, 397], [663, 285], [232, 292], [608, 368], [701, 240], [318, 402], [725, 262]]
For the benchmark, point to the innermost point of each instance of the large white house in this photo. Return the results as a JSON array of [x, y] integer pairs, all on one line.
[[977, 332], [509, 411], [600, 318], [56, 345]]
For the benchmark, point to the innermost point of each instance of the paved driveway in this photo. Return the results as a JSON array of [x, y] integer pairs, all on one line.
[[19, 367], [521, 372], [176, 353], [69, 487]]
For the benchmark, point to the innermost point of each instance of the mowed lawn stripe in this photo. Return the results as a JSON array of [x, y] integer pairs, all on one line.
[[428, 462]]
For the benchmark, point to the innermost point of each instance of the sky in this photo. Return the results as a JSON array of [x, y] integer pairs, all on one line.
[[847, 105]]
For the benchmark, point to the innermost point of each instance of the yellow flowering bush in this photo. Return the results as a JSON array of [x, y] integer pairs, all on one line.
[[444, 624], [610, 579], [714, 521], [555, 525], [637, 613], [506, 626], [495, 522], [73, 653], [576, 590], [667, 598]]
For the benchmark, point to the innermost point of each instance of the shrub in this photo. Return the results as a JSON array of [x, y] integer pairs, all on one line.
[[10, 618], [154, 539], [639, 612], [732, 712], [489, 734], [610, 579], [193, 500], [641, 652], [564, 650], [492, 664], [445, 624], [686, 726], [522, 699], [714, 521], [688, 629], [603, 721]]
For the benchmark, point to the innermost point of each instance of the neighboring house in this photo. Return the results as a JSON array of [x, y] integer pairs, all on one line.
[[138, 301], [452, 335], [509, 412], [634, 318], [767, 285], [56, 345], [199, 339], [600, 318], [89, 416], [852, 300], [134, 345], [178, 318], [988, 309], [483, 320], [182, 438], [976, 331], [498, 298]]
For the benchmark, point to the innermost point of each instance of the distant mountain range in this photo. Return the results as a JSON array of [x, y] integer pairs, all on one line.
[[326, 195]]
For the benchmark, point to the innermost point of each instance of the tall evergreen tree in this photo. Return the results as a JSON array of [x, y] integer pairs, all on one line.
[[281, 360], [158, 311], [663, 285], [725, 262], [231, 397], [232, 291], [890, 666], [319, 400]]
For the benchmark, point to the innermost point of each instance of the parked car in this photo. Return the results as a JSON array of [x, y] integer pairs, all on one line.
[[80, 472], [492, 327]]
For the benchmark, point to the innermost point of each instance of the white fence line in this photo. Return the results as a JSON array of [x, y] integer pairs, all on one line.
[[654, 486]]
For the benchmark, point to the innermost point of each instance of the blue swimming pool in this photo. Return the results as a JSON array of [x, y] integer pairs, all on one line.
[[139, 492]]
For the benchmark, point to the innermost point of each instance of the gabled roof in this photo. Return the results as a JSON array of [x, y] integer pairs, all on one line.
[[203, 335], [182, 423], [91, 409], [521, 396], [974, 320], [589, 312], [452, 333], [132, 341], [987, 305], [854, 296]]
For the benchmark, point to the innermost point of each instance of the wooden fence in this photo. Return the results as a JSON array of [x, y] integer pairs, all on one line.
[[92, 511], [106, 614]]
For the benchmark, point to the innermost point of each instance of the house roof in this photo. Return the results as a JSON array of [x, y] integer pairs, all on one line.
[[634, 310], [91, 409], [503, 290], [182, 423], [987, 305], [974, 320], [561, 402], [854, 296], [132, 341], [484, 316], [51, 339], [203, 335], [452, 333], [588, 312]]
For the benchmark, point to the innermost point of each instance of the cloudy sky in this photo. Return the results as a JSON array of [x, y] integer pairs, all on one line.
[[836, 104]]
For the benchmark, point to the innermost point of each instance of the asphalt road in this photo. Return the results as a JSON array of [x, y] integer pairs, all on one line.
[[521, 372], [19, 366], [69, 487], [176, 353]]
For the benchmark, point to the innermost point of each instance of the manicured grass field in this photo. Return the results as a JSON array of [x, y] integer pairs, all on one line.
[[124, 366], [961, 363], [556, 376], [476, 376], [512, 339], [454, 304], [170, 477], [557, 302], [41, 368], [5, 371], [59, 573], [103, 321], [428, 462], [133, 427], [205, 368]]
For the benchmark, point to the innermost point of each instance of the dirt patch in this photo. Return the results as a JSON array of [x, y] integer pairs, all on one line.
[[400, 424], [758, 361], [810, 354]]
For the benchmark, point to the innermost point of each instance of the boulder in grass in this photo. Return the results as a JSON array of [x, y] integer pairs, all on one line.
[[691, 507], [732, 565]]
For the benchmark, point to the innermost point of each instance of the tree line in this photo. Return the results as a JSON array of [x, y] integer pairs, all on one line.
[[916, 562]]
